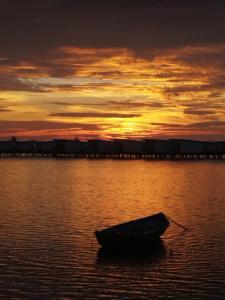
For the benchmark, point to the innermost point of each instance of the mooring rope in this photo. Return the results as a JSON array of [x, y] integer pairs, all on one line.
[[182, 226]]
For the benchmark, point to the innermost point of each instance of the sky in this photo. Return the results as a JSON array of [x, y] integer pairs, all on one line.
[[112, 69]]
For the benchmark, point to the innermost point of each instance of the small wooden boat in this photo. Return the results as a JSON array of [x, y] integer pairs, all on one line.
[[142, 231]]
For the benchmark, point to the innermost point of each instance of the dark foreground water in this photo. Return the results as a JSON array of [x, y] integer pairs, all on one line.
[[50, 208]]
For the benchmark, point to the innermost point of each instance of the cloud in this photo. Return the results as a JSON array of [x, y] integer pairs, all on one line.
[[212, 130], [215, 95], [199, 112], [208, 56], [9, 82], [213, 103], [124, 59], [61, 103], [4, 106], [40, 30], [192, 126], [134, 104], [44, 125], [48, 24], [94, 115], [113, 104], [48, 129], [2, 110]]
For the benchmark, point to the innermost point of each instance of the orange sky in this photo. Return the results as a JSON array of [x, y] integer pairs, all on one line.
[[113, 91]]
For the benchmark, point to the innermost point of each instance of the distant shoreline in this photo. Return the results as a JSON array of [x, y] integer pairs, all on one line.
[[152, 149]]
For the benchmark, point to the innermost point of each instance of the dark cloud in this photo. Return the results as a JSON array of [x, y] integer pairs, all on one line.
[[4, 106], [9, 82], [78, 87], [108, 74], [186, 89], [39, 31], [199, 112], [205, 57], [204, 73], [134, 104], [44, 125], [197, 125], [213, 104], [120, 104], [37, 26], [178, 46], [214, 84], [209, 109], [48, 130], [64, 103], [2, 110], [94, 115], [61, 103], [211, 130], [215, 95]]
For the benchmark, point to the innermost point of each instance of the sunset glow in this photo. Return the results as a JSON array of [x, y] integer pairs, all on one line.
[[112, 89]]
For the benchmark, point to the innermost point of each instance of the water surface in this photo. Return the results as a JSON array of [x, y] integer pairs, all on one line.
[[50, 208]]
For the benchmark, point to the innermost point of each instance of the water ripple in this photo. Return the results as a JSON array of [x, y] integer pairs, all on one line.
[[47, 246]]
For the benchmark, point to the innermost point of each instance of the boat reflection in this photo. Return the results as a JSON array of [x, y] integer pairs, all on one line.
[[149, 254]]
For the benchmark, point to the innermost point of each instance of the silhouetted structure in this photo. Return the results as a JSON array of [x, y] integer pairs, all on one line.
[[99, 148], [45, 148], [116, 149]]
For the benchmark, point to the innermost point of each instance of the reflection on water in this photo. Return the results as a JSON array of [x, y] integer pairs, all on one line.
[[150, 254], [50, 209]]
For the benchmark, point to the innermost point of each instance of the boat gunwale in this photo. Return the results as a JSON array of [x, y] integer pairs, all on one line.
[[133, 233], [112, 229]]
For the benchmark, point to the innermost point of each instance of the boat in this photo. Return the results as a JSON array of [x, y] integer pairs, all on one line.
[[136, 233]]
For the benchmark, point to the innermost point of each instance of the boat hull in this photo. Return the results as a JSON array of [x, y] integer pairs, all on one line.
[[128, 240], [125, 235]]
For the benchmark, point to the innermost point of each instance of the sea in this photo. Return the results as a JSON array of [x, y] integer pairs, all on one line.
[[50, 208]]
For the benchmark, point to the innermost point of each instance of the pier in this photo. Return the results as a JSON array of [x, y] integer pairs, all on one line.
[[151, 149]]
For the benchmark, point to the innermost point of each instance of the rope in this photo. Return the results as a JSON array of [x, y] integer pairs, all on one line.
[[185, 228]]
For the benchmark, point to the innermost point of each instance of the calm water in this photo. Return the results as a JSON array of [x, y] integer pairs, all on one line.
[[50, 208]]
